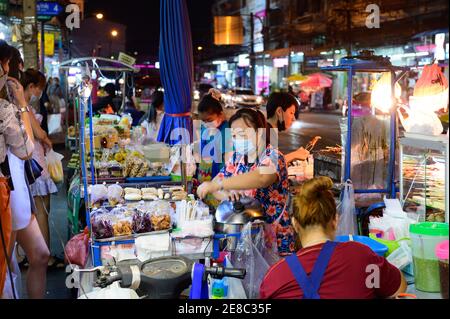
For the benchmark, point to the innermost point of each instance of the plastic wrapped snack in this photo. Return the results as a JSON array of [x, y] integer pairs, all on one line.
[[102, 225], [99, 193], [115, 195], [122, 222], [143, 170], [141, 220], [160, 215]]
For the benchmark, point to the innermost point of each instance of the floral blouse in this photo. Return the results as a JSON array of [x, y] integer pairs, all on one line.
[[273, 198], [12, 133]]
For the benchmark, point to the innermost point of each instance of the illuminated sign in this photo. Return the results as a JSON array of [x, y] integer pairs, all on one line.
[[228, 30]]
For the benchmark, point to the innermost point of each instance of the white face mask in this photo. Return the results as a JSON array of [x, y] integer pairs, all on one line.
[[213, 124], [244, 146], [35, 99]]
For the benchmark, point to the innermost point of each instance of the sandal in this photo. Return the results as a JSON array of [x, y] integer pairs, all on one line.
[[57, 264], [24, 263]]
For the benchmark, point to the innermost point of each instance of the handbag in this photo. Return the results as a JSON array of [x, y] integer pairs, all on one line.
[[32, 170]]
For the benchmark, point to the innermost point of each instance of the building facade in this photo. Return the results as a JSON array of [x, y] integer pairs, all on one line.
[[300, 36]]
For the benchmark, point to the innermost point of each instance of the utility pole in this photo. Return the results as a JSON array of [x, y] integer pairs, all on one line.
[[42, 51], [348, 10], [349, 27], [30, 48], [252, 52]]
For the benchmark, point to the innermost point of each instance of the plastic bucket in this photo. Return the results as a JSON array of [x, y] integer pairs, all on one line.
[[377, 247]]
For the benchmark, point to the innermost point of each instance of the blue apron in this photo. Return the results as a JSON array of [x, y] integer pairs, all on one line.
[[310, 284]]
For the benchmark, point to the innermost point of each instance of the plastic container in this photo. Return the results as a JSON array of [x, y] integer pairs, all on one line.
[[424, 238], [442, 255], [377, 247]]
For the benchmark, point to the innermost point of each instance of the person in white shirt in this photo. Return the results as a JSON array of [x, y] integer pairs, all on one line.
[[151, 121]]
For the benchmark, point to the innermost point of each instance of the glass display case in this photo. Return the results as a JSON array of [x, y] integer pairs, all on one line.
[[424, 177]]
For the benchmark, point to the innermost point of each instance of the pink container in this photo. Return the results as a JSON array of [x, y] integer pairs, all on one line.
[[442, 255]]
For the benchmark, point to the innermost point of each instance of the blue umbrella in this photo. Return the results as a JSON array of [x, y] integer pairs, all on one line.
[[177, 68]]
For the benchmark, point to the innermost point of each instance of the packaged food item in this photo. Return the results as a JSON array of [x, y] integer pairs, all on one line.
[[131, 190], [102, 225], [133, 197], [141, 221], [115, 169], [160, 215], [99, 193], [115, 195], [122, 224]]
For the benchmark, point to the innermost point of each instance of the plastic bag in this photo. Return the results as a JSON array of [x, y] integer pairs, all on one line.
[[122, 222], [102, 225], [16, 277], [248, 255], [160, 215], [115, 194], [347, 213], [77, 249], [420, 121], [431, 90], [114, 292], [54, 124], [235, 287], [55, 167], [401, 257], [141, 221], [98, 193]]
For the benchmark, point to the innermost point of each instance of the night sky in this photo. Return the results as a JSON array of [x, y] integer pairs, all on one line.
[[142, 20]]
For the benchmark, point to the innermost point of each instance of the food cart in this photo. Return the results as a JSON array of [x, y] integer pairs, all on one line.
[[357, 131]]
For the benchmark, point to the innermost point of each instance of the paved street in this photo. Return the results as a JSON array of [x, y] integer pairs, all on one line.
[[309, 125]]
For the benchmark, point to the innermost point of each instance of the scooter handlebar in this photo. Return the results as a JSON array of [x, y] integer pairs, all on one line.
[[221, 272]]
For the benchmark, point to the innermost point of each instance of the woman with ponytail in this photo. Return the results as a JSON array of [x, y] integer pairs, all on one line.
[[324, 269]]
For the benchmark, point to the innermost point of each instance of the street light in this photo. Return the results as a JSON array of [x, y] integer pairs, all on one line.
[[114, 33], [99, 16], [200, 48]]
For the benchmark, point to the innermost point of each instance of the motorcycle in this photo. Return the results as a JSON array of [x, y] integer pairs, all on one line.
[[162, 278]]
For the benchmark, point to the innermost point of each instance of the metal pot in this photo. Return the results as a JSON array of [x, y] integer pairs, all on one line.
[[232, 217]]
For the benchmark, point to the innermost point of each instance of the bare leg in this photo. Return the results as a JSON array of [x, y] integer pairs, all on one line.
[[33, 243], [42, 207]]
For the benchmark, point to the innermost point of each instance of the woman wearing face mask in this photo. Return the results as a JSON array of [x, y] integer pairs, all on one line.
[[212, 139], [324, 269], [34, 83], [16, 139], [255, 170], [24, 222], [151, 121], [213, 135], [281, 111]]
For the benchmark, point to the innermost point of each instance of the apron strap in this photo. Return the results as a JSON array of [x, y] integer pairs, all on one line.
[[321, 264], [301, 277], [310, 285]]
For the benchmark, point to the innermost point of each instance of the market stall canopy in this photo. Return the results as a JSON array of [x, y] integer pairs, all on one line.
[[176, 60], [297, 78], [318, 80], [97, 63]]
